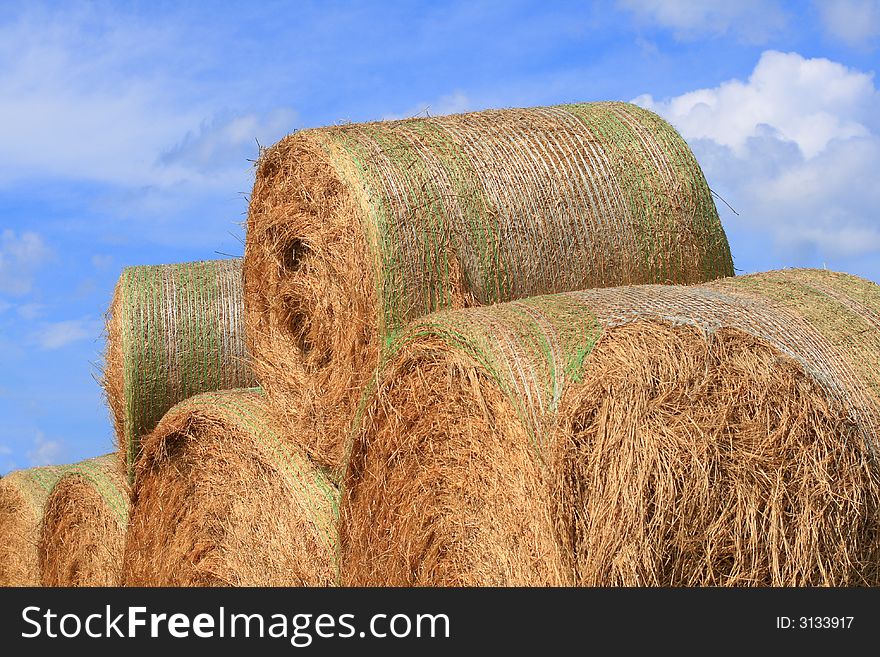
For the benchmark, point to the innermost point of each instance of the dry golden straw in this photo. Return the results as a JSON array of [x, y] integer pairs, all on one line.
[[355, 230], [23, 495], [720, 434], [173, 331], [222, 499], [83, 528]]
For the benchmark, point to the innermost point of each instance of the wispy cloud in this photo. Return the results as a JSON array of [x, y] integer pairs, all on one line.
[[102, 260], [55, 335], [21, 255], [855, 22], [753, 21], [7, 464], [31, 311], [45, 451], [84, 99], [228, 141], [108, 97], [453, 103]]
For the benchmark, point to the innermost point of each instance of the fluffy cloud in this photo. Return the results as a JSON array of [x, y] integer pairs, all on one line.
[[795, 149], [806, 101], [20, 257], [55, 335], [857, 22], [750, 20]]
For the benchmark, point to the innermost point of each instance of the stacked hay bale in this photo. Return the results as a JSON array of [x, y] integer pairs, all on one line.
[[173, 331], [223, 498], [83, 525], [355, 230], [721, 434], [691, 433], [23, 495], [213, 474]]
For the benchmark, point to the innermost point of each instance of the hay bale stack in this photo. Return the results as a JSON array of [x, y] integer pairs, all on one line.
[[23, 495], [355, 230], [173, 331], [721, 434], [221, 499], [83, 529]]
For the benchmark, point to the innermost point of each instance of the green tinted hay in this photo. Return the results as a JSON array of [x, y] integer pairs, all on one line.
[[83, 525], [222, 497], [355, 230], [23, 495], [717, 434], [173, 331]]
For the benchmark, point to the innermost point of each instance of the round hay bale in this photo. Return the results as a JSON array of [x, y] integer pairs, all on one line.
[[173, 331], [23, 495], [83, 529], [221, 499], [355, 230], [720, 434]]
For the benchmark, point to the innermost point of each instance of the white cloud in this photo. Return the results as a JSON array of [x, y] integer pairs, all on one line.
[[99, 96], [6, 464], [55, 335], [806, 101], [102, 260], [795, 149], [229, 140], [750, 20], [31, 311], [77, 106], [45, 452], [453, 103], [856, 22], [20, 257]]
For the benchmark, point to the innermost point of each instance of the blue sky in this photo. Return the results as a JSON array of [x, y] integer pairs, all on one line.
[[128, 131]]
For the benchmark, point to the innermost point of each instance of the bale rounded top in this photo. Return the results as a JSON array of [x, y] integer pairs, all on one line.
[[519, 202], [356, 230], [23, 496], [223, 497], [828, 322], [106, 478], [34, 484], [245, 411]]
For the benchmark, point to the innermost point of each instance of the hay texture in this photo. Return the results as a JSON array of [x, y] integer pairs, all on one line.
[[83, 529], [23, 495], [173, 331], [355, 230], [221, 499], [721, 434]]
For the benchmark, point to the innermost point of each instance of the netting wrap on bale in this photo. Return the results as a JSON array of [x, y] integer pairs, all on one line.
[[173, 331], [23, 494], [222, 498], [719, 434], [355, 230], [83, 526]]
